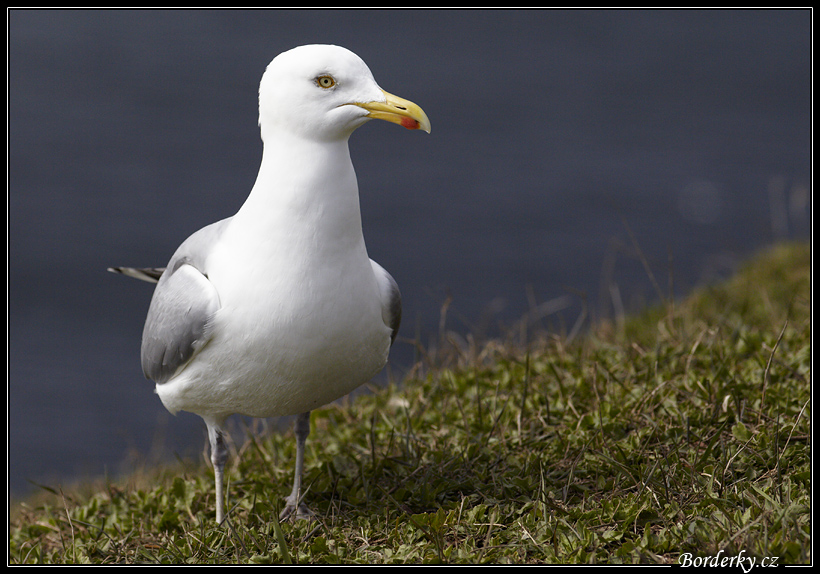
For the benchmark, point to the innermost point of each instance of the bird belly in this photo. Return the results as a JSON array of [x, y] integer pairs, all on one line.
[[294, 349]]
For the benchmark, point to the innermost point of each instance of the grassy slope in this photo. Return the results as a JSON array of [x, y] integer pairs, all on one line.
[[684, 430]]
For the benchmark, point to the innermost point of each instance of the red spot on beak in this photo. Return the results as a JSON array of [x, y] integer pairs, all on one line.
[[410, 123]]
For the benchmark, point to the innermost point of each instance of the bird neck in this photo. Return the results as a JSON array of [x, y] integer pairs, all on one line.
[[306, 191]]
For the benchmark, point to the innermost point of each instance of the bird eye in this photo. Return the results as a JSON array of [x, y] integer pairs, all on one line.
[[325, 82]]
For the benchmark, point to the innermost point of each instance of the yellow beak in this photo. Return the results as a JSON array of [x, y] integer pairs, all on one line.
[[398, 111]]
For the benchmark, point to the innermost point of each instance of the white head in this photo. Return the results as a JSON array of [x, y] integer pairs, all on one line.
[[325, 92]]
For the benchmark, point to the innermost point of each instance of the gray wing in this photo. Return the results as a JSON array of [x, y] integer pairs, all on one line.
[[149, 274], [184, 301], [390, 298]]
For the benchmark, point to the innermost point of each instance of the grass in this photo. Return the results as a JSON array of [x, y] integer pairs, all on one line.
[[681, 431]]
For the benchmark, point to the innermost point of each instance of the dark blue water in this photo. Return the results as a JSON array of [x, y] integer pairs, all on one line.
[[555, 136]]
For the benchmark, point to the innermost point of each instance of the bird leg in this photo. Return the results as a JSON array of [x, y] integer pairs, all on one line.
[[219, 455], [294, 507]]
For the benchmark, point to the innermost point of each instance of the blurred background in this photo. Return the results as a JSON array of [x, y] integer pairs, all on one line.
[[570, 151]]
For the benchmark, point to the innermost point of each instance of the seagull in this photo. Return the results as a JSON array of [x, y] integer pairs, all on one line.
[[278, 309]]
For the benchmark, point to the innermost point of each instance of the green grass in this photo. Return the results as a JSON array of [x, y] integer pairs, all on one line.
[[685, 429]]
